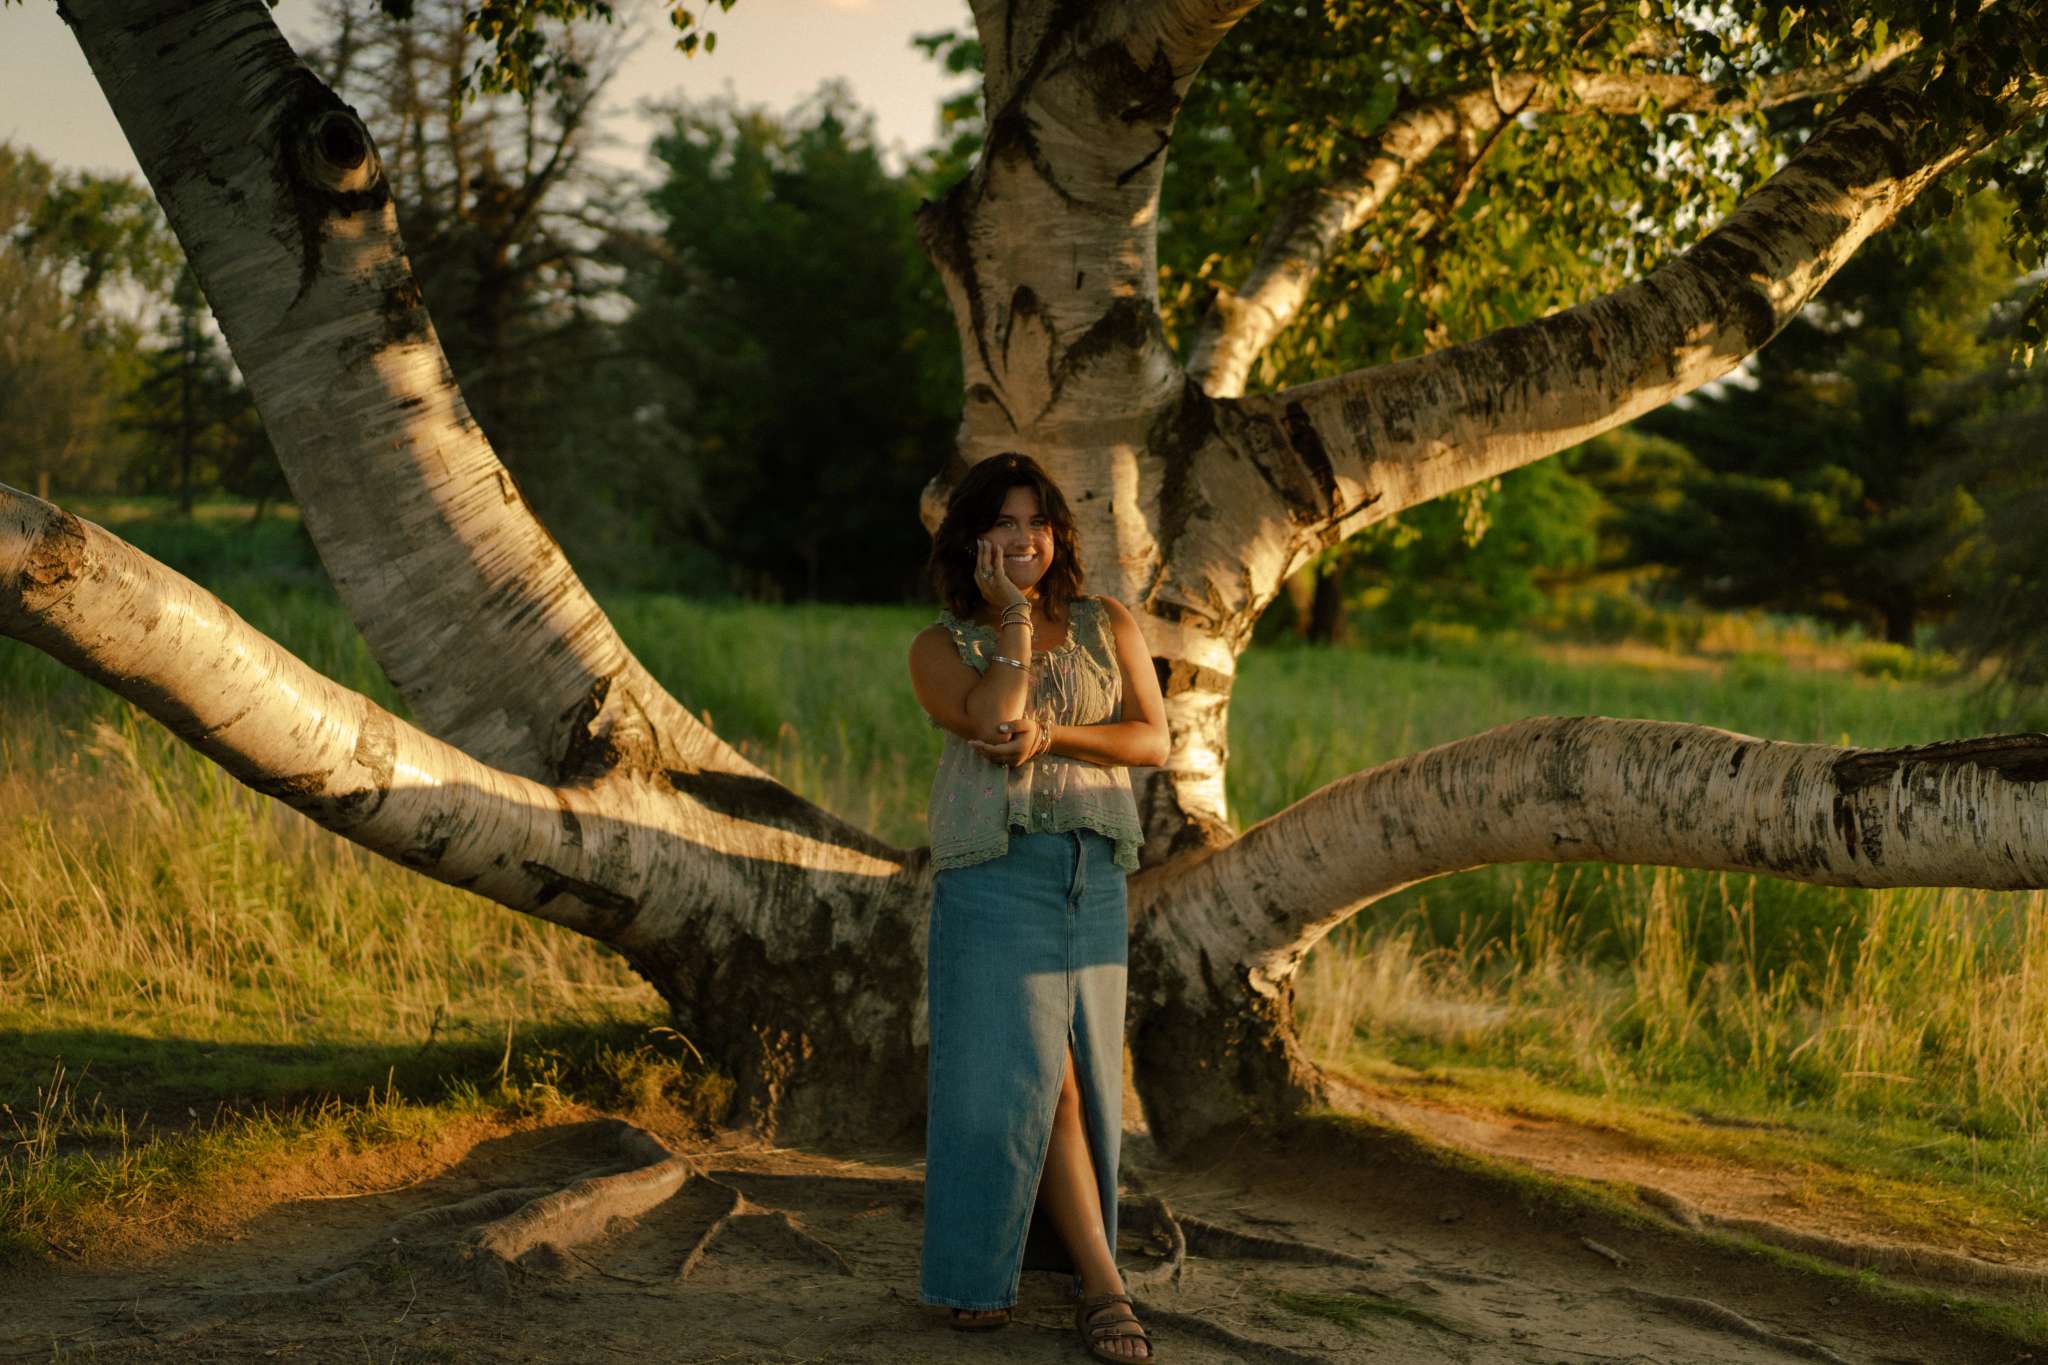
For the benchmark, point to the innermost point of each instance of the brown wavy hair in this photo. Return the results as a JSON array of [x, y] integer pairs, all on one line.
[[976, 502]]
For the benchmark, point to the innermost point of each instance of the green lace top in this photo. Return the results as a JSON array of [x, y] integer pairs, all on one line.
[[974, 802]]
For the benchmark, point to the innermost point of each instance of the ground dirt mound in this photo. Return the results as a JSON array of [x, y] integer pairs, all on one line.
[[596, 1239]]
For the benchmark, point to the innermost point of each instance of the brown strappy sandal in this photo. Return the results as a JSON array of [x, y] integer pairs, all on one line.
[[1097, 1327], [991, 1319]]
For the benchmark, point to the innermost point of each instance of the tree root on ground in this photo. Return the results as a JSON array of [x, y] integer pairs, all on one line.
[[1241, 1347], [1926, 1263], [577, 1213], [778, 1224], [505, 1228], [1181, 1235], [1707, 1313], [1153, 1211]]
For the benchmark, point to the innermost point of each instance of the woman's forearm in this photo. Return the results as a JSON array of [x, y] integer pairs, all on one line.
[[1121, 744], [1001, 693]]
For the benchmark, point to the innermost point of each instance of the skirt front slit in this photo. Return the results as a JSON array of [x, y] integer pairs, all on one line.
[[1026, 962]]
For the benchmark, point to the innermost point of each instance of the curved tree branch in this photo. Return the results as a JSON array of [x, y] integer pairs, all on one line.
[[1311, 226], [1393, 436], [627, 860], [1968, 813], [277, 194], [1187, 31]]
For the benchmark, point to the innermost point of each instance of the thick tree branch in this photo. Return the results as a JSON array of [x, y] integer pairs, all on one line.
[[628, 860], [1968, 813], [1313, 225], [278, 197], [1187, 31], [1397, 435]]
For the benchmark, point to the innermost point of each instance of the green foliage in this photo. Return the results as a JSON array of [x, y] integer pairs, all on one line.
[[1999, 619], [1557, 208], [520, 51], [824, 366], [66, 355], [197, 419], [518, 243], [192, 942], [1814, 486]]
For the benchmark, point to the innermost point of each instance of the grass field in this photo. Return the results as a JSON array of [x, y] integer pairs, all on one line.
[[192, 977]]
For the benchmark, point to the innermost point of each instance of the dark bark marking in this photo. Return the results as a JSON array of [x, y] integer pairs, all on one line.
[[1128, 326], [1736, 273], [985, 393], [305, 102], [942, 228], [586, 754], [430, 843], [1130, 172], [55, 563], [1178, 675], [572, 828], [617, 909], [2016, 758], [404, 312], [297, 790], [377, 753], [1315, 458], [1177, 438], [1269, 444], [1735, 762], [1023, 305], [1126, 91], [1845, 823], [1012, 136], [1562, 771]]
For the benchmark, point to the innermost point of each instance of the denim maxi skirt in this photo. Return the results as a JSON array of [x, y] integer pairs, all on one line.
[[1027, 956]]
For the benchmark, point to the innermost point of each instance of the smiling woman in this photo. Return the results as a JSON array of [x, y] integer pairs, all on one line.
[[1046, 696]]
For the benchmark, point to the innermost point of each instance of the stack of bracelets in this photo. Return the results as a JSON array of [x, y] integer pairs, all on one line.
[[1019, 614]]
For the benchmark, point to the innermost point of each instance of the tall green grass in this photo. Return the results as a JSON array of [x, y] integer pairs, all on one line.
[[179, 938]]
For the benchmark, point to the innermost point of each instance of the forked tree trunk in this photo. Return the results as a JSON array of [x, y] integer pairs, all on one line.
[[551, 773]]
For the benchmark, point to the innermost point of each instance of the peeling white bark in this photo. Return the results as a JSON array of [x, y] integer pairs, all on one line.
[[1392, 437], [565, 783], [688, 874], [1233, 927], [1590, 789], [278, 197], [1245, 320]]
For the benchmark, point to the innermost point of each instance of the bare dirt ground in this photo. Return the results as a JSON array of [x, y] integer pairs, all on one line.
[[1333, 1241]]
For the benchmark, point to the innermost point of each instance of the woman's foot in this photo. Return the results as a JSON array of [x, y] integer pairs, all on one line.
[[1110, 1330], [980, 1319]]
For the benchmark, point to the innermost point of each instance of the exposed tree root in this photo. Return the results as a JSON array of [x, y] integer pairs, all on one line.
[[1213, 1239], [777, 1224], [1242, 1347], [1707, 1313], [1153, 1210], [577, 1213], [1926, 1263]]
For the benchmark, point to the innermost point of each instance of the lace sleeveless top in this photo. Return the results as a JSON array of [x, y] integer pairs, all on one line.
[[975, 802]]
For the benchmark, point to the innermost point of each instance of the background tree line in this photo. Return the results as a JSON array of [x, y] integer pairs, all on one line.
[[616, 336]]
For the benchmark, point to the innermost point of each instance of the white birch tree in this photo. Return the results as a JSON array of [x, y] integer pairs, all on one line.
[[546, 770]]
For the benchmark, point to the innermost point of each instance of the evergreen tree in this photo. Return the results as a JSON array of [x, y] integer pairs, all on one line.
[[1812, 488], [790, 251]]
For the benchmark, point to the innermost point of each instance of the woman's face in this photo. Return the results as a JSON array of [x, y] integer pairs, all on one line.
[[1022, 536]]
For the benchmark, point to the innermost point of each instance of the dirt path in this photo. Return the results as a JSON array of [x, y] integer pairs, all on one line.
[[1335, 1242]]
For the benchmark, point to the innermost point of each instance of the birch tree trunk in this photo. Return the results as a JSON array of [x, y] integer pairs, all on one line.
[[552, 774]]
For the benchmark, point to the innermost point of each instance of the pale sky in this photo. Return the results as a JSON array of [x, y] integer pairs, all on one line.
[[770, 52]]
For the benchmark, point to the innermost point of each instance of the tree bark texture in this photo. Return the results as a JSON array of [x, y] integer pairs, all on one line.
[[278, 196], [552, 774]]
